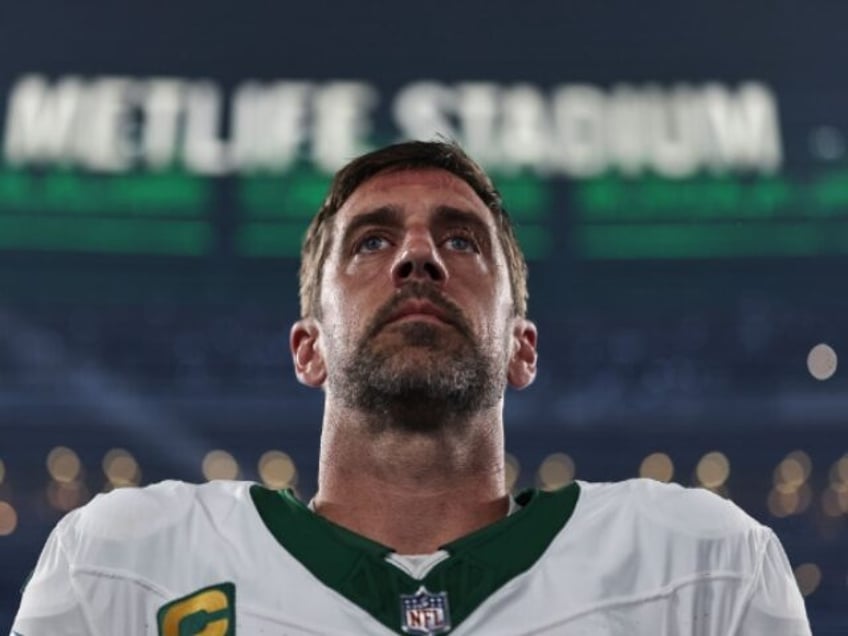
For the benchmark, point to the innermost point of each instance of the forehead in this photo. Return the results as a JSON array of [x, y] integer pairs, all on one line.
[[425, 187]]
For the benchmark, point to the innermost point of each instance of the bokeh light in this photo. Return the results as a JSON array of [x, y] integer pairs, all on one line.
[[713, 470], [657, 466], [792, 472], [822, 361], [121, 468], [512, 469], [808, 576], [556, 471], [63, 464], [66, 496], [782, 503], [219, 464], [8, 519], [834, 503], [277, 470], [839, 474]]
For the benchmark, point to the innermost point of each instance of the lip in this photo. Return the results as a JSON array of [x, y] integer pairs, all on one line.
[[418, 318], [418, 310]]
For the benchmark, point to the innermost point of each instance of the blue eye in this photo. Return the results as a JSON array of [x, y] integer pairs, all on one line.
[[461, 243], [371, 243]]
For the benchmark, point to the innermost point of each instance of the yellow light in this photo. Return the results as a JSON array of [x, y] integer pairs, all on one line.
[[63, 464], [793, 471], [556, 471], [839, 486], [830, 503], [66, 496], [713, 470], [789, 475], [834, 502], [277, 470], [839, 470], [657, 466], [804, 460], [121, 468], [219, 464], [782, 504], [808, 576], [8, 519], [512, 468], [822, 361], [842, 497], [805, 496]]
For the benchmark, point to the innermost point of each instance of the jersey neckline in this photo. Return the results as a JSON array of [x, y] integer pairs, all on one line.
[[478, 564]]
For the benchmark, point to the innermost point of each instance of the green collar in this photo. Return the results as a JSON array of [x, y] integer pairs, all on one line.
[[355, 566]]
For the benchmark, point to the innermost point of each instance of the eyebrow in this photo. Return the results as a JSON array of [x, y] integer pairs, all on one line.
[[449, 215], [384, 216]]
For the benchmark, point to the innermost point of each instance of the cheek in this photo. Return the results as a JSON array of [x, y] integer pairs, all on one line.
[[335, 294], [501, 318], [344, 317], [491, 321]]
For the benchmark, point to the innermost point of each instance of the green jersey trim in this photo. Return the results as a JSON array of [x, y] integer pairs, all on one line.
[[478, 564]]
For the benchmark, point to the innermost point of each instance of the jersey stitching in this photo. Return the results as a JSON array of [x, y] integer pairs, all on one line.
[[124, 575], [660, 593], [749, 591], [61, 540], [421, 573], [348, 605], [213, 519], [245, 609], [560, 537]]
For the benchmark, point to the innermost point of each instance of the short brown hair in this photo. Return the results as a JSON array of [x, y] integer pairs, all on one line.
[[405, 156]]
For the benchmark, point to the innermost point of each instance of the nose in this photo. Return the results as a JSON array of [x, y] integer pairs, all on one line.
[[418, 260]]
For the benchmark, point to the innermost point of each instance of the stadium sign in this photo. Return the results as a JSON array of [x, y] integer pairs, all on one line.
[[116, 124]]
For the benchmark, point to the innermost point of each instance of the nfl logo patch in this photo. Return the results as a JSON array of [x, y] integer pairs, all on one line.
[[425, 613]]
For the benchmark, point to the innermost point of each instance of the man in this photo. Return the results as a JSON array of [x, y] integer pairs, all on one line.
[[413, 296]]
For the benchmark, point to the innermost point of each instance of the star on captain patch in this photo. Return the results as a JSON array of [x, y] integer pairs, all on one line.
[[424, 614]]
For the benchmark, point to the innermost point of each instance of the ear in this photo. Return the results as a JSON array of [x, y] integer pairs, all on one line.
[[522, 363], [309, 365]]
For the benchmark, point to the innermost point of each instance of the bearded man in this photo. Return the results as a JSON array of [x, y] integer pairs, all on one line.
[[414, 300]]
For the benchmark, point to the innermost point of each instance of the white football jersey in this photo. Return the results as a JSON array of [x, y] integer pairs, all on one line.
[[232, 558]]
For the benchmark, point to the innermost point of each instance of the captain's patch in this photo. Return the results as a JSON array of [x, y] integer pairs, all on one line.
[[207, 612]]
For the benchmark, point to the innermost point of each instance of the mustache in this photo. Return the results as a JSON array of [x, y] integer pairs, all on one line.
[[420, 291]]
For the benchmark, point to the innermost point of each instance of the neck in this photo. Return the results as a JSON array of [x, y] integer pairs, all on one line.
[[411, 490]]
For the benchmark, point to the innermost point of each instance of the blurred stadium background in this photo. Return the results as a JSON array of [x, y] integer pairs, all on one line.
[[678, 175]]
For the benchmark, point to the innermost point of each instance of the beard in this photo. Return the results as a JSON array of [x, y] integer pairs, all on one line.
[[420, 376]]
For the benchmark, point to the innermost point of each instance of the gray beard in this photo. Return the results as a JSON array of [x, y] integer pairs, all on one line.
[[455, 382]]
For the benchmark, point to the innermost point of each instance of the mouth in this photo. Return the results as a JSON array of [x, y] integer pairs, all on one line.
[[419, 311], [418, 318]]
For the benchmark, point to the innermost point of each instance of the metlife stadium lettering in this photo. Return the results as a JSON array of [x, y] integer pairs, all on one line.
[[117, 124]]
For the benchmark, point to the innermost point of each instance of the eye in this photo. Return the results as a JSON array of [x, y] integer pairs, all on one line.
[[371, 243], [461, 243]]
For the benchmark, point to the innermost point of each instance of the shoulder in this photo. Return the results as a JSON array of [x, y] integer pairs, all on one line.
[[688, 529], [688, 511], [136, 514], [678, 535]]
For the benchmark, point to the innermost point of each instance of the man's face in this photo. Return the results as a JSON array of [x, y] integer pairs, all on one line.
[[415, 298]]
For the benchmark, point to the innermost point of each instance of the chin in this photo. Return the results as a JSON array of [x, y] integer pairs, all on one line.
[[414, 336]]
